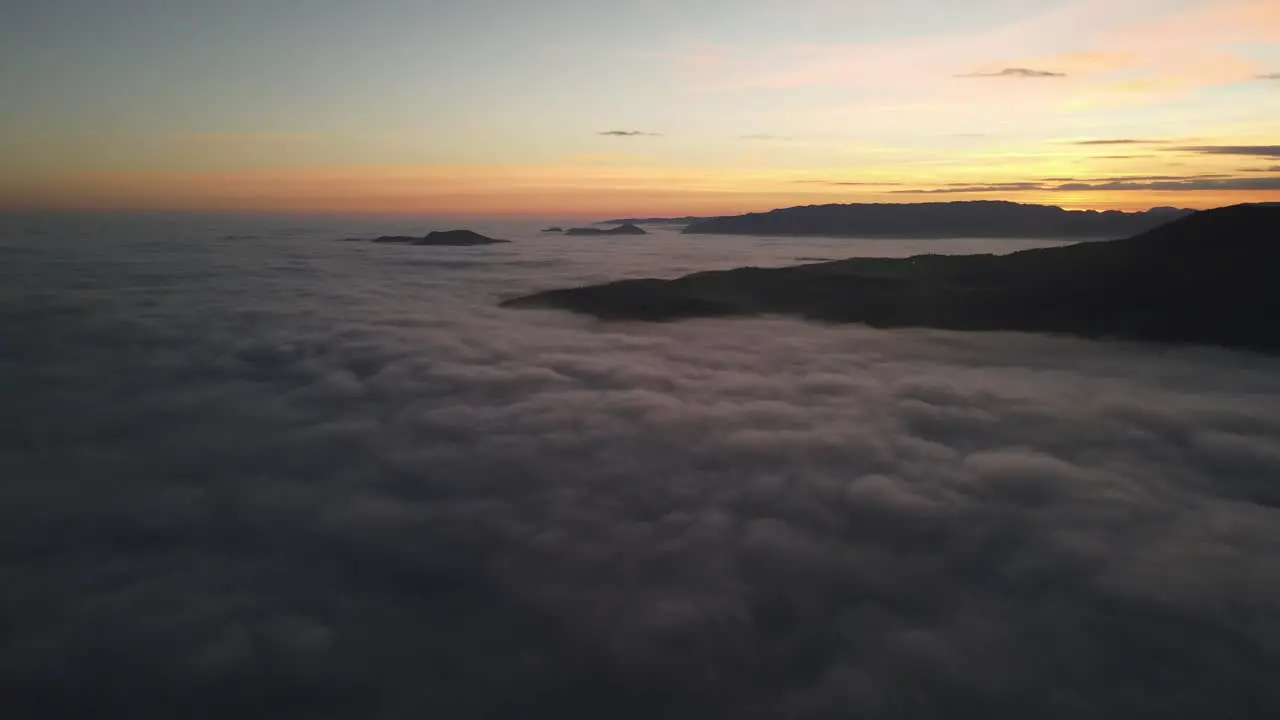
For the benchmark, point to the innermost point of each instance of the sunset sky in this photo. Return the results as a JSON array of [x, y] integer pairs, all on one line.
[[565, 108]]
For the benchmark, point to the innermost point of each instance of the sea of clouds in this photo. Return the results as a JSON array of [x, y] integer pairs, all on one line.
[[249, 472]]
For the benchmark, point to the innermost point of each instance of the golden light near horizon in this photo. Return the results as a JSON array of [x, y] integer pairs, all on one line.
[[1081, 103]]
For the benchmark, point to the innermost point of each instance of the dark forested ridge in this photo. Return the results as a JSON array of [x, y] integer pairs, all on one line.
[[1205, 278]]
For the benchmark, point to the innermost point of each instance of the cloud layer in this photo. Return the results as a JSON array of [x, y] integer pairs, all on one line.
[[856, 183], [1017, 72], [1124, 141], [1201, 182], [290, 478], [1250, 150]]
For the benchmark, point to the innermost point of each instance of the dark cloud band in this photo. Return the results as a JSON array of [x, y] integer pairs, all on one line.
[[1162, 183], [1252, 150]]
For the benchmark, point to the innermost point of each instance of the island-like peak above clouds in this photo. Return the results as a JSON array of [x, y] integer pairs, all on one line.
[[624, 229], [441, 238], [939, 219], [1206, 278]]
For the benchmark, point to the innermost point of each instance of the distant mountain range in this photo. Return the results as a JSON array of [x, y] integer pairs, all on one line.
[[993, 219], [1208, 278]]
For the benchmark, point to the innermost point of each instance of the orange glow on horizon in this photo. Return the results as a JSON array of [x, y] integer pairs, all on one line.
[[532, 192]]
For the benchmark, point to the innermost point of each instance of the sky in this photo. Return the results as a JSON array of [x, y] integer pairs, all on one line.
[[566, 108]]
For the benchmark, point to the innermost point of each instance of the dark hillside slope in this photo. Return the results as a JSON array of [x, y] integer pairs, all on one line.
[[1209, 278]]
